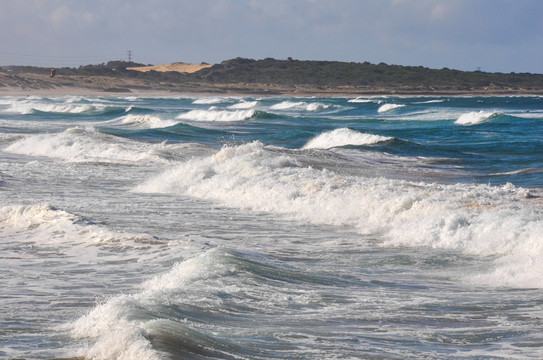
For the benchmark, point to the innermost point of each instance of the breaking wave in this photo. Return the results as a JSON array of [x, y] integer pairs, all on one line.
[[83, 145], [147, 121], [166, 314], [217, 115], [343, 137], [301, 105], [244, 105], [51, 226], [26, 108], [389, 107], [481, 220], [210, 101], [475, 117], [365, 100]]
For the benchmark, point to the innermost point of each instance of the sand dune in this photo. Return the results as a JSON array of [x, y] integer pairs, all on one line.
[[177, 66]]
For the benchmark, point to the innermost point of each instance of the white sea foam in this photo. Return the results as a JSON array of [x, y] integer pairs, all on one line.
[[343, 137], [209, 101], [428, 115], [217, 115], [430, 101], [480, 220], [147, 121], [30, 107], [115, 336], [288, 105], [244, 105], [361, 100], [475, 117], [300, 106], [389, 107], [42, 224], [18, 218], [81, 145]]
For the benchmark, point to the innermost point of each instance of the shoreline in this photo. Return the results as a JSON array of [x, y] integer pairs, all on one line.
[[43, 85]]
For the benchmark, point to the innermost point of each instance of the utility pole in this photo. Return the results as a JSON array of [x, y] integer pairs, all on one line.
[[129, 55]]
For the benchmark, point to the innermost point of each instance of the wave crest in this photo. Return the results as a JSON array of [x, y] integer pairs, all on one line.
[[82, 145], [343, 137], [301, 105], [363, 100], [217, 115], [147, 121], [50, 225], [243, 105], [30, 108], [475, 117], [389, 107], [209, 101], [480, 220]]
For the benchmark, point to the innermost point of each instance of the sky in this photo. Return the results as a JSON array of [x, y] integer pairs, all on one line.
[[487, 35]]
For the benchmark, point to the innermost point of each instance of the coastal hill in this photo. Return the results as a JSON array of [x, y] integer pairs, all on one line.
[[271, 76]]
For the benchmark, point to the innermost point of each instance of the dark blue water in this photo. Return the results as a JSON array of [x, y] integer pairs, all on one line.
[[502, 144]]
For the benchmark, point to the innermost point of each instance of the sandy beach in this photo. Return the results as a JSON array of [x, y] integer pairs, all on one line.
[[177, 66]]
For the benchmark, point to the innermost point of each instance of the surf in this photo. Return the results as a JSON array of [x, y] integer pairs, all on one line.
[[137, 234], [403, 212]]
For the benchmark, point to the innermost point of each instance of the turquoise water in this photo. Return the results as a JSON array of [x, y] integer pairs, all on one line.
[[256, 228]]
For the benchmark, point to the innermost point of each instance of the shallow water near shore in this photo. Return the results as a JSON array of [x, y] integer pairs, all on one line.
[[256, 228]]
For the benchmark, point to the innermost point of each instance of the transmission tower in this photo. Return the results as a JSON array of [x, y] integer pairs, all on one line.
[[129, 55]]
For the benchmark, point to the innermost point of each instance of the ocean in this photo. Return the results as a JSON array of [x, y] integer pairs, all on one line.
[[271, 227]]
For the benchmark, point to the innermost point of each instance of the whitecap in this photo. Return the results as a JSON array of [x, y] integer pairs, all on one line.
[[435, 101], [244, 105], [389, 107], [300, 106], [343, 137], [360, 100], [147, 121], [316, 107], [474, 117], [286, 105], [82, 145], [29, 108], [217, 115], [209, 101], [43, 224]]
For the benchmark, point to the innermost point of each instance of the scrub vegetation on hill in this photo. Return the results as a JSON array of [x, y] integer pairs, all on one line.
[[335, 73], [315, 73]]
